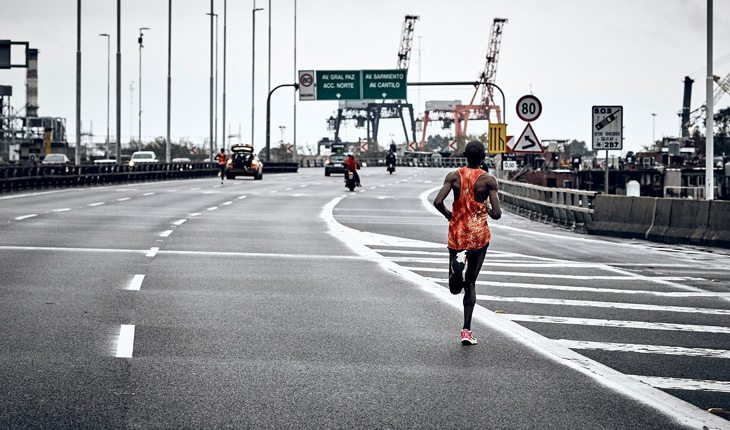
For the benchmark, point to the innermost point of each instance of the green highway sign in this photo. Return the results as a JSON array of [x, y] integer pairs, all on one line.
[[384, 84], [339, 84]]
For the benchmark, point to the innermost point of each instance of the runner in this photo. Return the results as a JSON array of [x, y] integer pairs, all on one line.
[[475, 197], [221, 158]]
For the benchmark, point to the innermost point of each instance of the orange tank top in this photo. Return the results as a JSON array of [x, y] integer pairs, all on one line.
[[468, 228]]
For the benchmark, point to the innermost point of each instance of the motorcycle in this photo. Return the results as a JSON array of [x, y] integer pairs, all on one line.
[[391, 168], [350, 180]]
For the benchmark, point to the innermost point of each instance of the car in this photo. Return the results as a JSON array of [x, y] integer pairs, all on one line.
[[243, 162], [334, 164], [56, 159], [143, 157]]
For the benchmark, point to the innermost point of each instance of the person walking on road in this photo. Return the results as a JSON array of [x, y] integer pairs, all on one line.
[[475, 197], [221, 158]]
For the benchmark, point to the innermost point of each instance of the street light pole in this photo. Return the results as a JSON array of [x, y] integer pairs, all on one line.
[[653, 128], [77, 156], [709, 121], [225, 138], [268, 117], [253, 69], [141, 45], [210, 139], [108, 63], [215, 97], [169, 80], [119, 83]]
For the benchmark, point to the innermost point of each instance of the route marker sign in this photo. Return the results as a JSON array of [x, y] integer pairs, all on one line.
[[528, 143], [529, 108], [384, 84], [339, 84], [497, 138], [307, 88], [607, 127]]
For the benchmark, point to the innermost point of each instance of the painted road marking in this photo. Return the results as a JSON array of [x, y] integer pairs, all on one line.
[[536, 275], [166, 233], [153, 251], [213, 208], [20, 218], [148, 194], [685, 384], [273, 191], [180, 222], [195, 214], [241, 197], [289, 189], [304, 186], [62, 210], [645, 349], [123, 199], [125, 344], [227, 203], [595, 322], [593, 289], [610, 305], [194, 188], [96, 204], [136, 283], [502, 263]]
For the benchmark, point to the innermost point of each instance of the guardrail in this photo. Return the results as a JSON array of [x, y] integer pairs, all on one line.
[[14, 178], [452, 162], [568, 207]]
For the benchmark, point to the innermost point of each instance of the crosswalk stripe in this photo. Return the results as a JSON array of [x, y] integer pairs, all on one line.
[[592, 289], [645, 349], [617, 323], [502, 263], [685, 384], [598, 304], [536, 275]]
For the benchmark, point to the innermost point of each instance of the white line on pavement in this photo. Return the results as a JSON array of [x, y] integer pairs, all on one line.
[[180, 222], [685, 384], [96, 204], [273, 191], [123, 199], [645, 349], [153, 251], [241, 197], [195, 214], [596, 322], [148, 194], [227, 203], [62, 210], [213, 208], [125, 344], [503, 263], [535, 275], [20, 218], [18, 196], [593, 289], [136, 283], [194, 188], [166, 233], [289, 189], [610, 305]]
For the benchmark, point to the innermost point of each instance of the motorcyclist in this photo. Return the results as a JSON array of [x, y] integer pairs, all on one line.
[[351, 166], [390, 159]]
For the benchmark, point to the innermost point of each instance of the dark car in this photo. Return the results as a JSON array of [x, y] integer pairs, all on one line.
[[243, 162], [334, 164]]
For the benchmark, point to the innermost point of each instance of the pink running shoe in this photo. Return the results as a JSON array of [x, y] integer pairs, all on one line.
[[467, 338]]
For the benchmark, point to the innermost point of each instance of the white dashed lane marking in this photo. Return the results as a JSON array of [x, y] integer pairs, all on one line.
[[166, 233], [180, 222], [136, 283], [125, 344], [20, 218], [195, 214], [213, 208], [62, 210], [96, 204], [123, 199], [153, 251], [148, 194]]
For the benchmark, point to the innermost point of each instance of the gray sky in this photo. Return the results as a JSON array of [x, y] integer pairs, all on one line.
[[572, 54]]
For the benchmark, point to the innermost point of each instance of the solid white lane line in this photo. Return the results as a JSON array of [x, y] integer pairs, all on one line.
[[241, 197], [289, 189], [148, 194], [20, 218], [125, 344], [304, 186], [166, 233], [227, 203], [610, 305], [195, 214], [534, 275], [273, 191], [19, 196], [595, 322], [213, 208], [685, 384], [194, 188], [123, 199], [153, 251], [96, 204], [136, 283], [592, 289], [645, 349], [62, 210], [180, 222]]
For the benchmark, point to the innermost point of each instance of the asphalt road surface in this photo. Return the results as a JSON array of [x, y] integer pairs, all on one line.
[[293, 303]]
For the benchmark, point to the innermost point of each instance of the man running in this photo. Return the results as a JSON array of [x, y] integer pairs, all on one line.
[[221, 158], [468, 229]]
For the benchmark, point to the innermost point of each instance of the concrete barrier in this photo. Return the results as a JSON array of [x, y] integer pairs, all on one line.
[[611, 215], [640, 216], [688, 221], [660, 224], [718, 225]]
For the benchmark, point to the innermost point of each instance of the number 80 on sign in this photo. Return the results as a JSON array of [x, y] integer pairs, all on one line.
[[529, 108]]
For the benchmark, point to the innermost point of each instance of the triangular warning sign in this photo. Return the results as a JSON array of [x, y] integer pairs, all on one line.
[[528, 142]]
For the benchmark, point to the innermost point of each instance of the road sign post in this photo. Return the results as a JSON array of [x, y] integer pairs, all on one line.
[[607, 130], [497, 138]]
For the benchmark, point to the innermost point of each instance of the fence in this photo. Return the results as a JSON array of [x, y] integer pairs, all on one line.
[[568, 207], [452, 162]]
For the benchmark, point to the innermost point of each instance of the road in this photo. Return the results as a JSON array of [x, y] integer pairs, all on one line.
[[292, 303]]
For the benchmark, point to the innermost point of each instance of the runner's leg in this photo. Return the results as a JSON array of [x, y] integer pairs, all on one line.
[[473, 266]]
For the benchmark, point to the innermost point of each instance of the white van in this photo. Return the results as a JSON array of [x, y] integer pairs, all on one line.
[[143, 157]]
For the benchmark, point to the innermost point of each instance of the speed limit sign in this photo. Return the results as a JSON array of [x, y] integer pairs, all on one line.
[[529, 108]]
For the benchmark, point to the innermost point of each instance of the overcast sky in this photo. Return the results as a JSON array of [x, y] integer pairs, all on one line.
[[571, 54]]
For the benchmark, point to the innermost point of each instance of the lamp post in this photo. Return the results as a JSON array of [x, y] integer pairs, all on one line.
[[210, 139], [141, 45], [709, 121], [77, 156], [119, 83], [215, 91], [253, 68], [169, 80], [653, 128], [108, 63], [223, 133]]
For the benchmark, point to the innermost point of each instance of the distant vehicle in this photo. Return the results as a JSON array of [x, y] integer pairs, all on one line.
[[181, 160], [334, 164], [56, 159], [143, 157], [244, 162], [105, 161]]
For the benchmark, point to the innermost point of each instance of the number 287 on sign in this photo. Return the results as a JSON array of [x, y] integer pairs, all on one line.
[[607, 145]]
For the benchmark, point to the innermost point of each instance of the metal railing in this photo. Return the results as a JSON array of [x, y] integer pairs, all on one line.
[[562, 206], [452, 162]]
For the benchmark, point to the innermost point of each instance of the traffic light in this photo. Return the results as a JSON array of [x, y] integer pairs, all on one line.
[[575, 161]]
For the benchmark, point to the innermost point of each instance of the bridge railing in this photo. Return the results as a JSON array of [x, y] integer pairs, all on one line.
[[563, 206], [451, 162]]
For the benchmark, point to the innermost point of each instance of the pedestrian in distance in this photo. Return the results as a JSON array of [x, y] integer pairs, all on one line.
[[475, 198], [221, 158]]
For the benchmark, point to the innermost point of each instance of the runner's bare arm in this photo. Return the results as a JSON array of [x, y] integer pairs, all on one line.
[[495, 212], [438, 202]]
